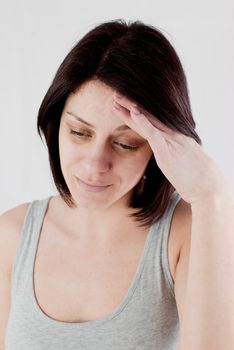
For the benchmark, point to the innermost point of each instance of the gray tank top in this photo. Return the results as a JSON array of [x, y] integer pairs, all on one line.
[[146, 319]]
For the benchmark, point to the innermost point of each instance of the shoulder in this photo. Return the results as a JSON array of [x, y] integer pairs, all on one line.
[[11, 223], [14, 217]]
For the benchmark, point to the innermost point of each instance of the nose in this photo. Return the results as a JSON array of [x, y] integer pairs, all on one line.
[[98, 159]]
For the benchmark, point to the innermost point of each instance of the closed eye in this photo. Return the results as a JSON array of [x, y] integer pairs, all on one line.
[[130, 148], [124, 146], [78, 133]]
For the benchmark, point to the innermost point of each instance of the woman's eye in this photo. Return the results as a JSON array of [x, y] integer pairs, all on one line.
[[122, 145], [80, 134], [127, 147]]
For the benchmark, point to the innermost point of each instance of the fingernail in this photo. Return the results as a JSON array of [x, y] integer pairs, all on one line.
[[136, 110]]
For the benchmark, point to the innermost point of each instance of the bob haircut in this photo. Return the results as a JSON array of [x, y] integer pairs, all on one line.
[[137, 61]]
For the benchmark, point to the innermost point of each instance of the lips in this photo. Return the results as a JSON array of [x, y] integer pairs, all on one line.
[[93, 185], [91, 188]]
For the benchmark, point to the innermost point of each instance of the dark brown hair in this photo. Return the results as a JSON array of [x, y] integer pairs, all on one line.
[[139, 62]]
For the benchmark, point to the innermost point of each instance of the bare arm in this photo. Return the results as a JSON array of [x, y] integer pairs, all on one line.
[[205, 272], [5, 277], [208, 318], [10, 227]]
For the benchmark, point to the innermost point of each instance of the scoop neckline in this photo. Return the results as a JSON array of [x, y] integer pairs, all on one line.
[[44, 204]]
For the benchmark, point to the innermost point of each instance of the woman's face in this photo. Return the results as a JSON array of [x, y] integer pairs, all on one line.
[[101, 153]]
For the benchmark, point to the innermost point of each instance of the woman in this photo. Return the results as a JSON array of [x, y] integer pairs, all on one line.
[[127, 255]]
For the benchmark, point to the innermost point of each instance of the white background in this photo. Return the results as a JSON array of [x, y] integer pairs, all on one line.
[[35, 36]]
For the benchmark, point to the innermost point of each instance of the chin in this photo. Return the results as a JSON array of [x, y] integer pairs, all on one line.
[[99, 200]]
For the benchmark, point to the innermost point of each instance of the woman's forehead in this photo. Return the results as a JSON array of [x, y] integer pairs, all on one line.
[[93, 105]]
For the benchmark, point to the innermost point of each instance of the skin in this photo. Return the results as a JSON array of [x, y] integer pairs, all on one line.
[[181, 159], [98, 158], [205, 292]]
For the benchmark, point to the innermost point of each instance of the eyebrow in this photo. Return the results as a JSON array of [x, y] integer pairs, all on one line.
[[119, 128]]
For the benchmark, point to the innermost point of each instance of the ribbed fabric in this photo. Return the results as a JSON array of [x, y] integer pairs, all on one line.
[[146, 319]]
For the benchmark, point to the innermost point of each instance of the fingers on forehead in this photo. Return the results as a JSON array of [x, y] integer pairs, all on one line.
[[158, 124], [125, 102], [151, 130]]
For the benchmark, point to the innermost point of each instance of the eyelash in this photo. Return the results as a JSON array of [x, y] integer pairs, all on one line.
[[126, 147]]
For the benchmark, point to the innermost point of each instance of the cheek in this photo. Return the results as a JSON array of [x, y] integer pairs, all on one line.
[[67, 151], [69, 156], [132, 170]]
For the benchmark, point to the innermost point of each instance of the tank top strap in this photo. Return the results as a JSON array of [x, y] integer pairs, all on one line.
[[159, 247], [167, 216], [166, 224], [29, 235]]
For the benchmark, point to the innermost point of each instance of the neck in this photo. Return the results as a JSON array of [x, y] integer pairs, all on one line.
[[102, 225]]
